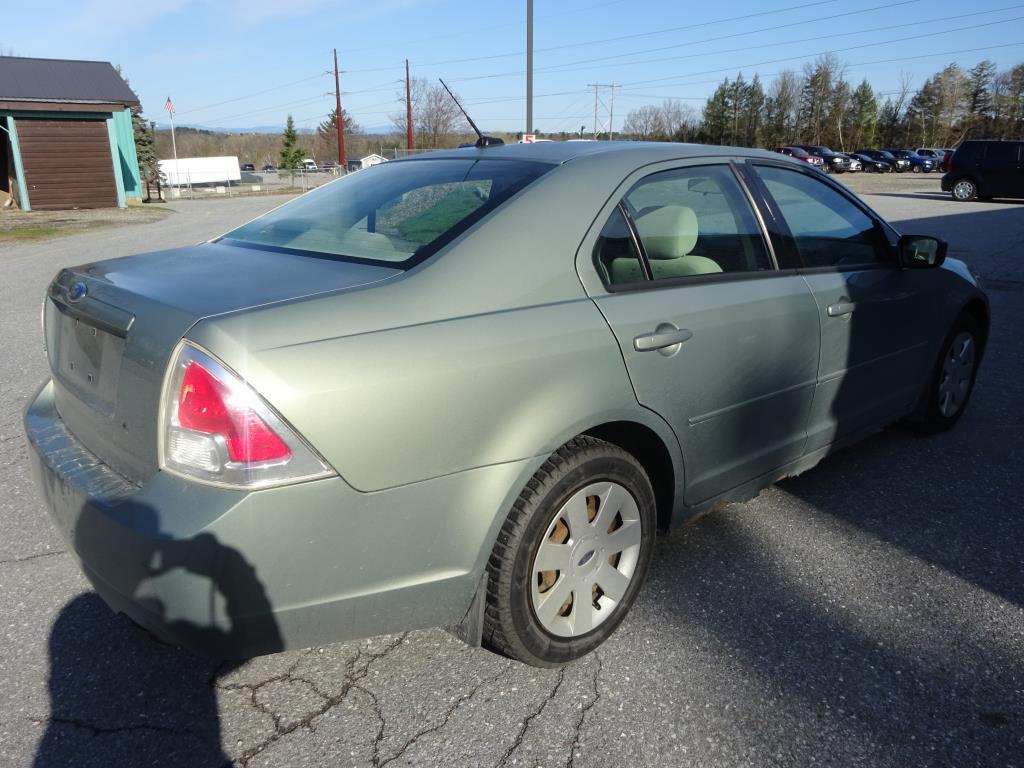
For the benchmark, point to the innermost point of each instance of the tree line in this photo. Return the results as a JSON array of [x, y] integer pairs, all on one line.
[[818, 105]]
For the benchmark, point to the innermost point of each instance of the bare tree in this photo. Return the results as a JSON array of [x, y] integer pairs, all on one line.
[[435, 116], [678, 120], [645, 123]]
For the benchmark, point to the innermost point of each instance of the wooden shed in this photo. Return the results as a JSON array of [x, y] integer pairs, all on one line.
[[66, 136]]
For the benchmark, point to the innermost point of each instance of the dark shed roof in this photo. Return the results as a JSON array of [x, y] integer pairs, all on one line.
[[63, 80]]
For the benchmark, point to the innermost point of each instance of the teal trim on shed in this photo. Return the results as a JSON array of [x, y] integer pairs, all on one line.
[[122, 149], [115, 155], [126, 156], [19, 169]]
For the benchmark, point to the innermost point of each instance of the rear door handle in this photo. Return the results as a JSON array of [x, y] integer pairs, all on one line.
[[648, 342], [840, 308]]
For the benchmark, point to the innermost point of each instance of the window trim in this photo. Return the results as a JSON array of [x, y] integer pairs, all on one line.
[[650, 282], [881, 227]]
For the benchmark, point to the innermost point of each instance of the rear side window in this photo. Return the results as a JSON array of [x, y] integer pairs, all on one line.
[[615, 254], [393, 213], [1001, 152], [828, 229], [696, 221]]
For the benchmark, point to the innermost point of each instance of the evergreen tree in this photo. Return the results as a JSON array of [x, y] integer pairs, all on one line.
[[717, 115], [291, 152], [979, 97], [327, 133], [863, 116], [145, 147]]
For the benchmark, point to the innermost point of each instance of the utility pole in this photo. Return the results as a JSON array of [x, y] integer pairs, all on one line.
[[610, 108], [611, 115], [342, 159], [408, 109], [529, 66]]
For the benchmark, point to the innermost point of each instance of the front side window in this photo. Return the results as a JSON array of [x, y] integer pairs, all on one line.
[[690, 222], [828, 229], [393, 213]]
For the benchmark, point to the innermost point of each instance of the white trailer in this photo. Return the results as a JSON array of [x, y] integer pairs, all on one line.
[[187, 171]]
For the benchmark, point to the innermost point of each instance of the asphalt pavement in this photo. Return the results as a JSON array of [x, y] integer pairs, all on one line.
[[867, 613]]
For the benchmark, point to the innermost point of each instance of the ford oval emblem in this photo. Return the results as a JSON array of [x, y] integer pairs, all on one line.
[[77, 292]]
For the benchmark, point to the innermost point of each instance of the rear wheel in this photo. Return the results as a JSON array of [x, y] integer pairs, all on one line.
[[965, 190], [571, 556]]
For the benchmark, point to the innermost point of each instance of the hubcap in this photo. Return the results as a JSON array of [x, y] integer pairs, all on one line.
[[963, 190], [586, 560], [957, 372]]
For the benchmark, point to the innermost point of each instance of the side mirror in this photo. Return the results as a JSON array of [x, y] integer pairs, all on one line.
[[921, 251]]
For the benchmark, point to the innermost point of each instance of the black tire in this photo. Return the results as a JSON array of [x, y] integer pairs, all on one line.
[[511, 626], [964, 190], [930, 416]]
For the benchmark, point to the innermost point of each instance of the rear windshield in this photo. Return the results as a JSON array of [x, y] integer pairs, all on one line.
[[393, 213]]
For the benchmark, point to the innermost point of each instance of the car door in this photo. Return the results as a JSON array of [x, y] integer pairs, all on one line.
[[999, 169], [873, 315], [716, 339]]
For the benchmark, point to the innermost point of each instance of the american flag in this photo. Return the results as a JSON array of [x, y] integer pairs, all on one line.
[[169, 106]]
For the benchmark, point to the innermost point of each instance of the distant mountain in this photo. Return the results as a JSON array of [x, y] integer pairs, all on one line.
[[275, 129], [253, 129]]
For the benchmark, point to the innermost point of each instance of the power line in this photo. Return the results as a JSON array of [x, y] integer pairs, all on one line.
[[569, 66], [618, 38], [566, 68], [250, 95], [838, 50]]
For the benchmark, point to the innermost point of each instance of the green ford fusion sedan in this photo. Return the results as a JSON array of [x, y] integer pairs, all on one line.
[[467, 389]]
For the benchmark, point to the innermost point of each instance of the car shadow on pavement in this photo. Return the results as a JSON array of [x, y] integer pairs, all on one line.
[[941, 196], [119, 696]]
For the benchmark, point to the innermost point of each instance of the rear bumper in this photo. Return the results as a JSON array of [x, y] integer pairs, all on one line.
[[233, 574]]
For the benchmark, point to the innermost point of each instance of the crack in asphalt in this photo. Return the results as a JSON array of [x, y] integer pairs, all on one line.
[[33, 557], [379, 737], [530, 718], [583, 712], [447, 717], [330, 701], [99, 730]]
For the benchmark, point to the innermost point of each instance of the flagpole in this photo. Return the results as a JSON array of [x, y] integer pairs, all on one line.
[[174, 148]]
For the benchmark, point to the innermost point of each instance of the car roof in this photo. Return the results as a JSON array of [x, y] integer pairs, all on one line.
[[558, 152]]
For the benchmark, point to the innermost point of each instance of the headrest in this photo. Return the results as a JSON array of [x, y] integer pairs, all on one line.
[[668, 232]]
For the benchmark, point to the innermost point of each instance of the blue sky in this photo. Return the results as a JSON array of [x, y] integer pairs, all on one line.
[[241, 63]]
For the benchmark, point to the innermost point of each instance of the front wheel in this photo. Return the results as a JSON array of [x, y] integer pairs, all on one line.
[[952, 379], [571, 556], [916, 168]]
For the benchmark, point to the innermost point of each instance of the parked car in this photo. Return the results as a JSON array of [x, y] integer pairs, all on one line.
[[269, 168], [308, 164], [938, 155], [802, 154], [833, 161], [329, 167], [984, 168], [248, 168], [466, 389], [873, 165], [918, 164], [899, 164], [855, 163]]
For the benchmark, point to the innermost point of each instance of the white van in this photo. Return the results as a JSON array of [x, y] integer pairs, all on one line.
[[309, 165]]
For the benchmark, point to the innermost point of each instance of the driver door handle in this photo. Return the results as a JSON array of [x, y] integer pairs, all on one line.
[[648, 342], [840, 308]]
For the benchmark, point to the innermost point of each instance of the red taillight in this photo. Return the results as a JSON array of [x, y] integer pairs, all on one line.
[[205, 405]]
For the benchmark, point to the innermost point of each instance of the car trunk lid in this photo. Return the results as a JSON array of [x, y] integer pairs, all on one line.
[[111, 327]]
